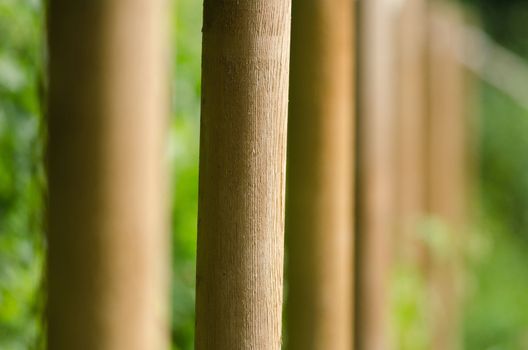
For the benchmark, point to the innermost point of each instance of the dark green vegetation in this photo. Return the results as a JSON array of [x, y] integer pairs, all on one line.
[[497, 308], [497, 282]]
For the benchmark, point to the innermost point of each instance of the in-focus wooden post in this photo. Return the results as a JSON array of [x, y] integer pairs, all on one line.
[[448, 167], [319, 230], [108, 230], [242, 174], [376, 136]]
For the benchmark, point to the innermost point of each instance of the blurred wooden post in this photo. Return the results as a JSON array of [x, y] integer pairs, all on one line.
[[376, 172], [411, 129], [108, 234], [447, 165], [242, 174], [320, 168], [411, 257]]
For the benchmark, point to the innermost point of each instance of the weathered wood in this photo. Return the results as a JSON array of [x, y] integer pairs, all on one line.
[[377, 152], [319, 230], [108, 262], [242, 174]]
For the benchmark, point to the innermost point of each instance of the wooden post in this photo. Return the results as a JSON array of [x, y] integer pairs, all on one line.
[[108, 230], [376, 172], [242, 174], [411, 130], [447, 172], [410, 265], [320, 168]]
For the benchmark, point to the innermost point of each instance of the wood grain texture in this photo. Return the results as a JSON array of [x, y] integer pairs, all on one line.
[[319, 221], [242, 174], [377, 172], [108, 226]]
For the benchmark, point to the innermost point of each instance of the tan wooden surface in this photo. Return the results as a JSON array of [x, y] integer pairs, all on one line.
[[108, 260], [448, 166], [242, 174], [377, 172], [411, 136], [319, 230]]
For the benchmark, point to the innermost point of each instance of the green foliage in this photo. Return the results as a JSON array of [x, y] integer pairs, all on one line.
[[410, 308], [184, 157], [413, 300], [21, 175], [497, 307]]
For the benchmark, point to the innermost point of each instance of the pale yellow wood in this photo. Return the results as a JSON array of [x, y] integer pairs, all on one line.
[[242, 174], [108, 235], [319, 200]]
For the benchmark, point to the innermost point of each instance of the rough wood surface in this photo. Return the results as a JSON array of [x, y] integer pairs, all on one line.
[[319, 231], [108, 229], [242, 174], [377, 172]]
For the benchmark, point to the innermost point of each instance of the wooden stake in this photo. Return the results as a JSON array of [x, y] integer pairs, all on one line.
[[108, 230], [320, 169], [242, 174]]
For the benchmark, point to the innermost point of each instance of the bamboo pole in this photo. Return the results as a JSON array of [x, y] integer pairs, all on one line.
[[376, 173], [447, 172], [242, 174], [108, 262], [320, 168]]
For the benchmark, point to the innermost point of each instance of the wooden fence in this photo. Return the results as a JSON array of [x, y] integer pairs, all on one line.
[[367, 170]]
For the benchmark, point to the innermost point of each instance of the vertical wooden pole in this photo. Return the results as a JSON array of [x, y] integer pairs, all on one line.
[[108, 233], [376, 173], [242, 174], [411, 130], [447, 173], [410, 265], [320, 168]]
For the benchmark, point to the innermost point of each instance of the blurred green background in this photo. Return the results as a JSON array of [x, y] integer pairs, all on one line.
[[22, 182], [496, 312]]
